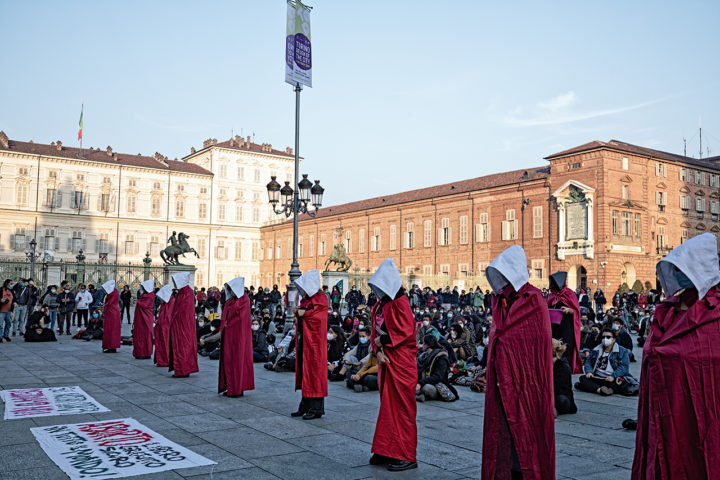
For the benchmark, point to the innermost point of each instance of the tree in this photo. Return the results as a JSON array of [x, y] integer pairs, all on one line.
[[637, 286]]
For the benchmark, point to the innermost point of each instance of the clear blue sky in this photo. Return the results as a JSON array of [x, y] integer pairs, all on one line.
[[406, 93]]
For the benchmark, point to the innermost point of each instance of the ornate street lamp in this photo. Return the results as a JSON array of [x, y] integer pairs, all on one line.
[[32, 256], [80, 257]]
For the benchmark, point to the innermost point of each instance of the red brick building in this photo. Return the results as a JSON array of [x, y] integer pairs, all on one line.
[[606, 212]]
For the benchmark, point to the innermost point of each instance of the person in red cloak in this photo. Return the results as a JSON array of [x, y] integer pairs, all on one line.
[[162, 326], [311, 358], [392, 336], [143, 321], [678, 428], [235, 375], [111, 318], [183, 327], [562, 298], [519, 427]]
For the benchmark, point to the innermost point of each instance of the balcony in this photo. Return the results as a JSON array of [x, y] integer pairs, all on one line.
[[663, 249]]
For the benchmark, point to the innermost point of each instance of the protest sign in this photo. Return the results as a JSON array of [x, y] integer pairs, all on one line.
[[113, 449], [47, 402]]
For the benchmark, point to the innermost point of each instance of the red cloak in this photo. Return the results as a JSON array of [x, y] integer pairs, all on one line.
[[519, 403], [143, 326], [183, 337], [111, 321], [396, 427], [162, 332], [312, 378], [568, 298], [678, 431], [236, 351]]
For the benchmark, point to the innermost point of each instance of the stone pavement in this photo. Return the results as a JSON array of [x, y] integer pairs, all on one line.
[[254, 437]]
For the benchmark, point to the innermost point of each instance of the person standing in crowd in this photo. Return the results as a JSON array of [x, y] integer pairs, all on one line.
[[183, 340], [22, 300], [568, 331], [275, 299], [678, 428], [143, 321], [600, 300], [49, 300], [162, 326], [66, 302], [98, 295], [33, 296], [236, 375], [393, 341], [126, 298], [311, 371], [83, 300], [111, 318], [519, 424], [6, 303]]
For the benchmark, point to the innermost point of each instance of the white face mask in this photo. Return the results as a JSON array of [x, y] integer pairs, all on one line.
[[54, 290], [330, 337], [453, 334], [256, 328], [426, 323], [607, 341]]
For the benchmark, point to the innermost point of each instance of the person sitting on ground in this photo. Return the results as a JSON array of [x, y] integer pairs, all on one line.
[[208, 343], [433, 370], [606, 363], [459, 342], [203, 326], [644, 328], [622, 337], [562, 380], [336, 350], [366, 379], [259, 341], [283, 359], [36, 331], [357, 356], [268, 324], [94, 330], [425, 328]]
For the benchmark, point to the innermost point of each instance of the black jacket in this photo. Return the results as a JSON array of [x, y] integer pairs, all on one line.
[[259, 340], [433, 367]]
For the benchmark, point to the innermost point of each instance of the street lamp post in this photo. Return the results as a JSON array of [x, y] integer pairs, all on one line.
[[32, 256], [294, 202], [80, 257]]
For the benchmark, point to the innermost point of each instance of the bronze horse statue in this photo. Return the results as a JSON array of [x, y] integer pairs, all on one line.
[[339, 257], [171, 253]]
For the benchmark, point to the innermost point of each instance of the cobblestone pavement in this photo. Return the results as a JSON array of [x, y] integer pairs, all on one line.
[[254, 437]]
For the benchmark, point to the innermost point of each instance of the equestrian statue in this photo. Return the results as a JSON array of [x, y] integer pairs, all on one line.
[[178, 245], [340, 258]]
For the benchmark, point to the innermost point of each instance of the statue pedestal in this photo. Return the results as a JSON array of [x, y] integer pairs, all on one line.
[[170, 270], [330, 279]]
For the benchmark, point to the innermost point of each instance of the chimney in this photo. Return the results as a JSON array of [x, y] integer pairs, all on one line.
[[192, 150], [247, 142], [4, 140], [207, 143], [109, 151], [289, 150], [214, 141], [238, 140], [58, 145]]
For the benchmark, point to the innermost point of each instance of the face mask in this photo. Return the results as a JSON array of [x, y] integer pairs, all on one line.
[[292, 331], [426, 322], [53, 290], [454, 334], [616, 327], [461, 324], [83, 290], [255, 328], [607, 341], [449, 315], [363, 340], [31, 283], [335, 314], [95, 315], [21, 284], [330, 337]]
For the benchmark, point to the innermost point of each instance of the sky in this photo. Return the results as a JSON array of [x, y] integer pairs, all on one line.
[[406, 94]]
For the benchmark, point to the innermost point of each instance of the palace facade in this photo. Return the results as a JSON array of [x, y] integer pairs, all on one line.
[[605, 212], [116, 207]]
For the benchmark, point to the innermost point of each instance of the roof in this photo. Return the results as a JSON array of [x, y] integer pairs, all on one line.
[[637, 150], [463, 186], [157, 162], [237, 143]]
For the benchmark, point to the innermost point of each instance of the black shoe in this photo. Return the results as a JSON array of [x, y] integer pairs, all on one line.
[[577, 385], [7, 339], [269, 366], [13, 334], [629, 424], [380, 459], [225, 394], [299, 413], [401, 465], [312, 415], [110, 350], [179, 376]]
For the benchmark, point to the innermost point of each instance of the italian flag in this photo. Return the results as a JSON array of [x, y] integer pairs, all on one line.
[[80, 123]]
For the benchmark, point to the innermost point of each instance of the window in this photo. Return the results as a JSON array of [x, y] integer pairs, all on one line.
[[538, 268], [626, 226], [221, 211], [105, 202], [238, 212], [660, 170], [427, 270], [257, 175], [19, 240], [361, 240], [714, 180], [301, 245], [615, 222], [463, 269], [238, 249], [256, 214], [537, 222], [699, 177], [155, 205], [410, 235], [311, 246], [444, 232], [509, 226], [684, 235], [393, 237], [203, 190], [661, 239], [181, 188], [375, 240], [348, 241], [52, 174], [625, 163], [103, 244], [445, 269], [482, 229], [241, 173], [661, 200], [409, 270], [131, 203], [222, 192], [156, 186], [106, 180], [683, 174], [48, 241], [78, 199], [80, 177], [278, 250], [427, 233], [254, 253], [223, 171], [637, 225], [685, 204], [129, 245], [154, 246], [202, 211], [463, 230], [700, 207], [321, 246], [220, 253], [482, 267], [715, 210], [625, 192], [202, 247], [131, 183], [180, 208], [22, 193], [50, 197], [576, 165]]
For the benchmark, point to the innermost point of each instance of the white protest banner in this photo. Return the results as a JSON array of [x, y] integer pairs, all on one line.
[[113, 449], [47, 402], [298, 51]]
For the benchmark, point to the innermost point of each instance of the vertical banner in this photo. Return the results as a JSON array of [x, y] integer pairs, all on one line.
[[298, 52]]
